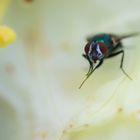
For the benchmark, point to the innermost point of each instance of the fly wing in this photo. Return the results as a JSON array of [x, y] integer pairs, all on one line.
[[127, 36], [117, 39]]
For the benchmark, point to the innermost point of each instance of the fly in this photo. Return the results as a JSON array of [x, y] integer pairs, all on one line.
[[104, 46]]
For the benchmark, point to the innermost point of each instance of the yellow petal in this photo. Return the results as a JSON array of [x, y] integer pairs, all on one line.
[[7, 36]]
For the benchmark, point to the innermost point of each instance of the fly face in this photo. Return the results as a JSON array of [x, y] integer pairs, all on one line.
[[93, 52]]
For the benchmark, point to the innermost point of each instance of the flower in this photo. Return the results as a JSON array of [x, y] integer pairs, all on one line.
[[40, 74], [7, 35]]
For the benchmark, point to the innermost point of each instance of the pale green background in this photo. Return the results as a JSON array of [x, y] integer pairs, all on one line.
[[40, 73]]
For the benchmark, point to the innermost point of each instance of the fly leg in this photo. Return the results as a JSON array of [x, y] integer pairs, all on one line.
[[121, 65], [90, 67], [90, 64], [91, 71]]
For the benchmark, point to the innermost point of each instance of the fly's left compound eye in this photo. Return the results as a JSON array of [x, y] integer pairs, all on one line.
[[87, 48]]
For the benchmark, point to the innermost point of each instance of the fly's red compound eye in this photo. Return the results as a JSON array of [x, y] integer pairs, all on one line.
[[87, 48]]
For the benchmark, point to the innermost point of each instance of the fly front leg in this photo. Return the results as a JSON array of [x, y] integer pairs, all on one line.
[[90, 64], [89, 74], [97, 66], [90, 67]]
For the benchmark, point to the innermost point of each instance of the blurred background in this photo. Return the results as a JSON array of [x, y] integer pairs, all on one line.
[[40, 72]]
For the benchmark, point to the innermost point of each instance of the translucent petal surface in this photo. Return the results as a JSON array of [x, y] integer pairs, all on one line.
[[40, 73]]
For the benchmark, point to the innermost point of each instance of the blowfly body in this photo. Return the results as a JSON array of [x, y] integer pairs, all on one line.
[[103, 46]]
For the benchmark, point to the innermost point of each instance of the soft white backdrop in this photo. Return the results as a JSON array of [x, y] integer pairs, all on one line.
[[41, 72]]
